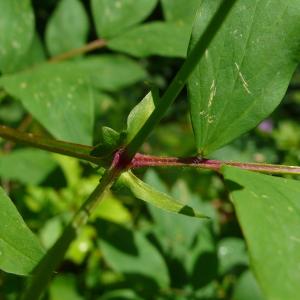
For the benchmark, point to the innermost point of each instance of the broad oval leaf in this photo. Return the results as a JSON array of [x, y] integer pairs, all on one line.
[[155, 38], [268, 210], [113, 17], [245, 71], [20, 250], [60, 98], [111, 72], [67, 28], [180, 11], [147, 193], [17, 30]]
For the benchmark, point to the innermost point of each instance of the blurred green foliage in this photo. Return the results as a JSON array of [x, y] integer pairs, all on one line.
[[130, 250]]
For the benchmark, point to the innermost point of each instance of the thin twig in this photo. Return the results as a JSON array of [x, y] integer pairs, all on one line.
[[24, 125], [9, 145], [96, 44], [61, 147]]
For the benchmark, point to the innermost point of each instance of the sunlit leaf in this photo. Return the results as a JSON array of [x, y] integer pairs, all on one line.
[[245, 71], [138, 116], [161, 200], [59, 98]]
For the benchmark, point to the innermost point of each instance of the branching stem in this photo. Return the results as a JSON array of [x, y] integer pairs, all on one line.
[[122, 159], [139, 160]]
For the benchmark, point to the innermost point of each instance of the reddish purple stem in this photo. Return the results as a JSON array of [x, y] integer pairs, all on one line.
[[141, 160]]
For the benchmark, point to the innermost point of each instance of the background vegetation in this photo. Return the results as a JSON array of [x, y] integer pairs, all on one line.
[[129, 249]]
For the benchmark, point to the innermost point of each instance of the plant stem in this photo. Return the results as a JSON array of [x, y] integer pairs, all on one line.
[[142, 160], [54, 256], [96, 44], [181, 78], [61, 147], [22, 128], [139, 160]]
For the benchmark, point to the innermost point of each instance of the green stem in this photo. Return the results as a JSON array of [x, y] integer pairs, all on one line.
[[181, 78], [61, 147], [49, 263]]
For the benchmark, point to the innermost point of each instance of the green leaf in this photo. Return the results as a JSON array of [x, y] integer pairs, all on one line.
[[231, 253], [29, 166], [175, 233], [268, 210], [113, 17], [34, 55], [20, 251], [161, 200], [111, 140], [58, 97], [178, 10], [124, 294], [245, 71], [111, 72], [112, 209], [17, 30], [202, 261], [138, 116], [246, 288], [64, 287], [67, 28], [155, 38], [131, 253], [110, 136]]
